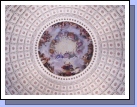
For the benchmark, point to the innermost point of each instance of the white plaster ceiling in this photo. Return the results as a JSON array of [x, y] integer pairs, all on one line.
[[25, 74]]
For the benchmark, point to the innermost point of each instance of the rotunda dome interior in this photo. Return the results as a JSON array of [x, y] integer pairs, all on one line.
[[65, 50]]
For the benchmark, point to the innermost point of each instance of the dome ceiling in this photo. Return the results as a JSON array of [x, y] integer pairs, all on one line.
[[27, 71]]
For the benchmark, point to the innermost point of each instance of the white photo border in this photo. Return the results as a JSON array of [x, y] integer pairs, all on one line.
[[126, 96]]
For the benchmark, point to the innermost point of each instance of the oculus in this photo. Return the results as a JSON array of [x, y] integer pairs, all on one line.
[[65, 48]]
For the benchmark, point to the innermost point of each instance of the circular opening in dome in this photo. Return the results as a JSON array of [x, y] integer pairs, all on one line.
[[65, 48]]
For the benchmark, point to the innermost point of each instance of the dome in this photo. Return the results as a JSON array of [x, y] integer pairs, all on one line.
[[88, 58]]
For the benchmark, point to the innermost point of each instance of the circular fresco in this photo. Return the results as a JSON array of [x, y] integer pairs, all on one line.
[[65, 48]]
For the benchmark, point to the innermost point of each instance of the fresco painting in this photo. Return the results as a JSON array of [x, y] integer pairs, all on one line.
[[65, 48]]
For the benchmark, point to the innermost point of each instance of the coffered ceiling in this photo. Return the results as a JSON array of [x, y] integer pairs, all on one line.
[[24, 73]]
